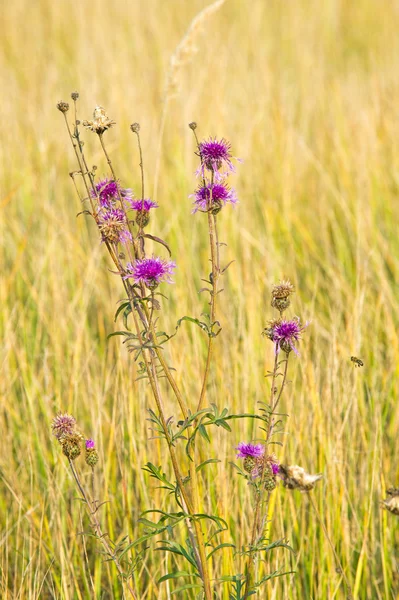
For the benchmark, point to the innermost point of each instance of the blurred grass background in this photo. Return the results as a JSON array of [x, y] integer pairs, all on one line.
[[308, 94]]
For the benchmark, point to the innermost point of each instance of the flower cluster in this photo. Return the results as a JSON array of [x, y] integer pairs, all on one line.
[[258, 464], [64, 428], [215, 166]]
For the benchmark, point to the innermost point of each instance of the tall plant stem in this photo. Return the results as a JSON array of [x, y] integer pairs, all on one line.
[[91, 509], [215, 277], [337, 559], [258, 527], [190, 503]]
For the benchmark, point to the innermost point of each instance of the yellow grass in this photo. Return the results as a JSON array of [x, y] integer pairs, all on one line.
[[308, 94]]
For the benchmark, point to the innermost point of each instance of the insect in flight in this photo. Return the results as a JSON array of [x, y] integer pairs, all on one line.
[[357, 361]]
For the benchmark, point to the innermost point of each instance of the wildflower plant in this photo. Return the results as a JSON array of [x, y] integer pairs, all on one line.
[[122, 220]]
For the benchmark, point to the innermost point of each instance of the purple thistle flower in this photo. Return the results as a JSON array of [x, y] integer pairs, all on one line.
[[214, 155], [107, 192], [286, 333], [90, 444], [63, 425], [213, 195], [252, 450], [113, 226], [151, 271], [145, 204]]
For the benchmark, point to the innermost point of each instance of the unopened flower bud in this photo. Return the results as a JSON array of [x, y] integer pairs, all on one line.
[[63, 106], [91, 453]]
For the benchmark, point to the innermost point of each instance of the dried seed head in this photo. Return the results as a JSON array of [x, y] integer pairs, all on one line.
[[71, 445], [100, 122], [63, 106], [135, 127], [392, 502], [63, 425], [296, 478], [75, 96], [193, 125], [281, 293]]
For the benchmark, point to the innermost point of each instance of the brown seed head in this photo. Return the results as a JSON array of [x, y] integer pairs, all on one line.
[[296, 478], [284, 289], [100, 122], [74, 96], [193, 125], [135, 127], [63, 106]]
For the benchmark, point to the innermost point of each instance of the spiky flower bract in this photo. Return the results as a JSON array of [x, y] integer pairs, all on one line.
[[108, 192], [213, 197], [215, 155], [151, 271], [113, 226], [63, 425], [286, 333]]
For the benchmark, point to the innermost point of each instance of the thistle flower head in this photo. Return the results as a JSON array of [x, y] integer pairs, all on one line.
[[213, 197], [145, 204], [215, 155], [108, 192], [296, 478], [151, 271], [281, 293], [63, 425], [113, 226], [285, 334], [90, 444], [100, 122], [252, 450], [392, 502], [71, 445]]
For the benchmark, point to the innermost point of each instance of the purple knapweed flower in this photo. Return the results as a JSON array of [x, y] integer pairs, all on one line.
[[107, 192], [90, 444], [215, 154], [214, 196], [113, 226], [250, 450], [145, 204], [151, 271], [286, 333]]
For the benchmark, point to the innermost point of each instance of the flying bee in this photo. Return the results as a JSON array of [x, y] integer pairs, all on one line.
[[357, 361]]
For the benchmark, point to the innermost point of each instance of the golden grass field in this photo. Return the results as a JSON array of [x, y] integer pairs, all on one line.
[[308, 94]]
